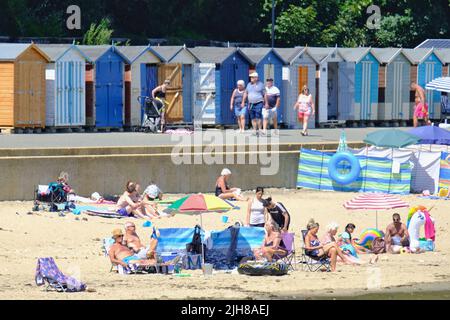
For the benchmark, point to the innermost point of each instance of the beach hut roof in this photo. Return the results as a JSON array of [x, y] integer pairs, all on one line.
[[56, 51], [320, 54], [290, 54], [435, 43], [96, 52], [256, 55], [170, 52], [12, 51], [419, 55], [212, 54], [132, 53], [386, 55], [355, 54], [444, 54]]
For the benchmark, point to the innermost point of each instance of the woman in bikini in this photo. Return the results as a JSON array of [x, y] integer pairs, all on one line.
[[160, 93], [305, 109]]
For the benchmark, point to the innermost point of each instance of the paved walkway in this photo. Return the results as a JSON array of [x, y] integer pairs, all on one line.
[[112, 139]]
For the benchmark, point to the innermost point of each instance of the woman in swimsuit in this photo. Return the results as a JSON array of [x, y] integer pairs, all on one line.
[[160, 93], [129, 205], [305, 108], [317, 249], [223, 190]]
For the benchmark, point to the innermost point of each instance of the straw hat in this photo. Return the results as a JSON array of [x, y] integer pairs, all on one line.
[[254, 75], [117, 233]]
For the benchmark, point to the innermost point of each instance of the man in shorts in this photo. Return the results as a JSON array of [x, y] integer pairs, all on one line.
[[274, 100], [397, 236], [421, 106], [257, 100]]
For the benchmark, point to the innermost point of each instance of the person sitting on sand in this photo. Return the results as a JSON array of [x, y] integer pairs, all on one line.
[[153, 193], [317, 249], [129, 205], [120, 254], [397, 236], [132, 241], [349, 244], [256, 217], [223, 190]]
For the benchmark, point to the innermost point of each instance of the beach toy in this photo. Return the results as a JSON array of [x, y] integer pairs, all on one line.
[[404, 251], [367, 237], [225, 219], [147, 224], [183, 275], [443, 193], [208, 269], [419, 217], [347, 178]]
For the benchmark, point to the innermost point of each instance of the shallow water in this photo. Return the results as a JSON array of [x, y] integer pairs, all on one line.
[[424, 295]]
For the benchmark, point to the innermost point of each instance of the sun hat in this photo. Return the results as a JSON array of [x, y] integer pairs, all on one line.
[[117, 233], [226, 172], [254, 75]]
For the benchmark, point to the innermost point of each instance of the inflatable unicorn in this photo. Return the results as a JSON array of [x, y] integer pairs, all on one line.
[[418, 217]]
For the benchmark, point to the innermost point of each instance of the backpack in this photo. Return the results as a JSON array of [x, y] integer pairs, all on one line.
[[378, 246], [195, 247]]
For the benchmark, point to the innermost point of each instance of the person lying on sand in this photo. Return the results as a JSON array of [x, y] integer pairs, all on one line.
[[397, 236], [133, 242]]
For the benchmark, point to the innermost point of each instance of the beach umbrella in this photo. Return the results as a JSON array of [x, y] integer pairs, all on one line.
[[391, 138], [198, 204], [376, 202], [432, 135]]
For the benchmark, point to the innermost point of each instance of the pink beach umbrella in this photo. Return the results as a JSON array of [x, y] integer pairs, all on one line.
[[375, 201]]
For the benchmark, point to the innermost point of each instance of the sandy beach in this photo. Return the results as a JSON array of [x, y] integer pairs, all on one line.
[[75, 243]]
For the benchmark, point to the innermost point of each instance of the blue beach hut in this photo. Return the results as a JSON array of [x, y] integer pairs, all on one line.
[[227, 66], [65, 86], [268, 64], [105, 98], [428, 65]]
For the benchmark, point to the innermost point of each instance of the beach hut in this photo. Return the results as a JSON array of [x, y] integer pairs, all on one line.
[[445, 56], [105, 87], [178, 68], [22, 86], [301, 71], [65, 86], [336, 84], [428, 65], [141, 77], [268, 64], [215, 80], [394, 101], [364, 103]]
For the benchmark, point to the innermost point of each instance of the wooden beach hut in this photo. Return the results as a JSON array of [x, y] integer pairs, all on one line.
[[336, 85], [428, 65], [216, 78], [301, 71], [365, 67], [141, 77], [105, 87], [22, 86], [394, 100], [268, 64], [65, 86], [178, 68]]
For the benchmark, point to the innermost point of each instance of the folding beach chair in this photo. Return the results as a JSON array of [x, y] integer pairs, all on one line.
[[311, 262], [48, 273], [289, 246]]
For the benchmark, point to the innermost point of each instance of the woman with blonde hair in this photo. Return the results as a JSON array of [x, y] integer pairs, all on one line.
[[305, 108]]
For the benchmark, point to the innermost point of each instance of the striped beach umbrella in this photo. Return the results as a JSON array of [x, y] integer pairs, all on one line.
[[376, 202], [198, 204]]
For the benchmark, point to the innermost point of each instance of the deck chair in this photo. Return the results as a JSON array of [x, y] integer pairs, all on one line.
[[289, 246], [313, 263], [47, 272]]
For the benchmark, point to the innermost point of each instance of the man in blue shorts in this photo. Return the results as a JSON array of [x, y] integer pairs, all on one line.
[[257, 100]]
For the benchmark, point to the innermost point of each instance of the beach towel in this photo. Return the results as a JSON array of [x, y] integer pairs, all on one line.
[[430, 231], [47, 271], [175, 239]]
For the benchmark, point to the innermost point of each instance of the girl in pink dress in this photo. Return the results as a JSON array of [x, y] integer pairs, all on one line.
[[305, 108]]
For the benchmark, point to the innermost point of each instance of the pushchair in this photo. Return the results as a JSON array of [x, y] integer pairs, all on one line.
[[153, 109], [51, 195]]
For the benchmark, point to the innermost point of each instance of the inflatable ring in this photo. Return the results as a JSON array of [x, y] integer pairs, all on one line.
[[257, 268], [344, 178]]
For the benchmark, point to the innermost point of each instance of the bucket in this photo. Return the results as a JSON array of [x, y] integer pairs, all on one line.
[[208, 269], [225, 219]]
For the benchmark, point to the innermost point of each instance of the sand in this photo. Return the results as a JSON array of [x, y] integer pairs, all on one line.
[[76, 247]]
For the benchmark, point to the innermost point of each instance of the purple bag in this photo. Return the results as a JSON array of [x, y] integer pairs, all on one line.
[[48, 272]]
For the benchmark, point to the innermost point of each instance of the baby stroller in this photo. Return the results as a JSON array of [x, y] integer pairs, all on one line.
[[51, 195], [153, 108]]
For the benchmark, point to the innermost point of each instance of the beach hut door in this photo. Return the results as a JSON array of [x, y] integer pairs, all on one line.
[[149, 81], [269, 72], [174, 95], [397, 90]]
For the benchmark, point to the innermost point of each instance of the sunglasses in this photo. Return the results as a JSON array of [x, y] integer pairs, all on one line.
[[396, 220]]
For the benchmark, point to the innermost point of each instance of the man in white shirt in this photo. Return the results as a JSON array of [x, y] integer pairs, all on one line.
[[270, 112]]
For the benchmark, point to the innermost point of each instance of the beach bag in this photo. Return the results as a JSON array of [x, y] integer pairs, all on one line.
[[426, 245], [48, 272], [192, 262], [378, 246], [195, 247], [263, 268]]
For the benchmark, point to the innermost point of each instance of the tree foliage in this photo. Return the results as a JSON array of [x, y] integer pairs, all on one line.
[[99, 34]]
